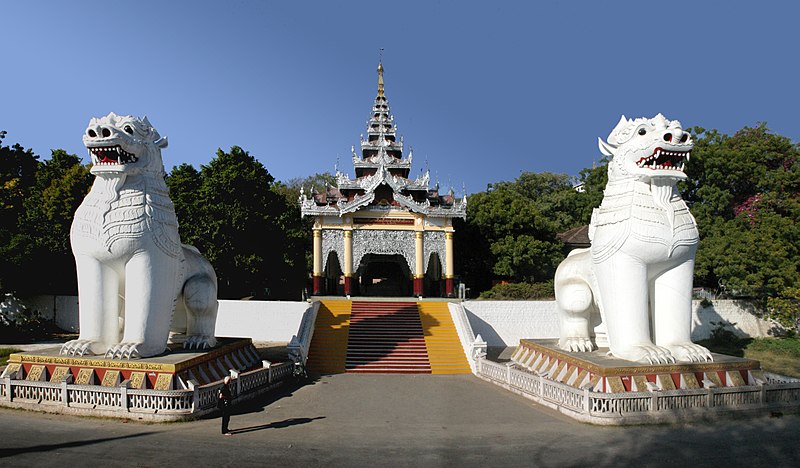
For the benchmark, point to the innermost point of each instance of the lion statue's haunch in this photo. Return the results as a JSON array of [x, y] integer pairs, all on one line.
[[635, 281], [133, 272]]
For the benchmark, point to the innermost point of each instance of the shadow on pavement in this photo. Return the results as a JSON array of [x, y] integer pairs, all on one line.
[[259, 404], [8, 452], [276, 424]]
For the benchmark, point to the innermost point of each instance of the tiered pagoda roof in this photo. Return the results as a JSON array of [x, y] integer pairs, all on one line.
[[381, 176]]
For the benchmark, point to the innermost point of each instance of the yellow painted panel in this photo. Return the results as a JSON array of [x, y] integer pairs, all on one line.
[[328, 350], [441, 339]]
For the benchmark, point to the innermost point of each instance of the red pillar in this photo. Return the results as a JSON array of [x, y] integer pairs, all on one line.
[[448, 287], [418, 286], [317, 285], [348, 285]]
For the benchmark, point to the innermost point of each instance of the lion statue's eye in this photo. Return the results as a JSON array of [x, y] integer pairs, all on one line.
[[128, 129], [642, 131]]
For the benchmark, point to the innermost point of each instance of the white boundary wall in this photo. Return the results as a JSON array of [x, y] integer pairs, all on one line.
[[259, 320], [504, 323], [500, 323]]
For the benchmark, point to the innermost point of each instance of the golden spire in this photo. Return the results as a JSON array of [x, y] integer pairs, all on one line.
[[380, 79]]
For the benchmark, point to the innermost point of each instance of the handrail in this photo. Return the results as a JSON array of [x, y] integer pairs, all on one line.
[[474, 346], [300, 344]]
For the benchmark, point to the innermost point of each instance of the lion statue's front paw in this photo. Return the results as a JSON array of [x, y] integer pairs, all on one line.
[[648, 354], [78, 347], [200, 342], [125, 350], [690, 352], [576, 344]]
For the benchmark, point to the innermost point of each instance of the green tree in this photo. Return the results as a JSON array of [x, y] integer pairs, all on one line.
[[744, 191], [17, 178], [229, 211], [39, 199], [62, 182], [298, 230], [511, 228]]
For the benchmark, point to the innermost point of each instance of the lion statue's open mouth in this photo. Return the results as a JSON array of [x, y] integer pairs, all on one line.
[[662, 159], [111, 155]]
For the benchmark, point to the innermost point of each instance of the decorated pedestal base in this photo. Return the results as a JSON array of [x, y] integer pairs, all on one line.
[[599, 372], [177, 385], [170, 371], [599, 389]]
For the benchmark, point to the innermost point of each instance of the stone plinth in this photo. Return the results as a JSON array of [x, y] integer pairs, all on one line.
[[169, 371], [597, 371]]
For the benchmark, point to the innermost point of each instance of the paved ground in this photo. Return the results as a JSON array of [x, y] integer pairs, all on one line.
[[369, 420]]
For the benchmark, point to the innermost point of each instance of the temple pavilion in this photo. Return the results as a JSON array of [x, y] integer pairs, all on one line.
[[382, 233]]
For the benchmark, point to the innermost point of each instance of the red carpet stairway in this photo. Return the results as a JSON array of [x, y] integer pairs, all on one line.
[[386, 337]]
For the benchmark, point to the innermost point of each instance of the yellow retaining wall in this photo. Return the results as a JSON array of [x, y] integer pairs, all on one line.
[[441, 338], [329, 345]]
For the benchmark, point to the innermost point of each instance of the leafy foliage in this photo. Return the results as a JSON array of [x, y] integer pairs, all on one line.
[[744, 191], [520, 291], [299, 232], [511, 229], [39, 199], [229, 211], [785, 308]]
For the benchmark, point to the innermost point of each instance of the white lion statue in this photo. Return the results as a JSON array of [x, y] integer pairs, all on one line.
[[635, 281], [133, 272]]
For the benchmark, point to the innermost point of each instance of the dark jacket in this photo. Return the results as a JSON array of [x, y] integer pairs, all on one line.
[[225, 398]]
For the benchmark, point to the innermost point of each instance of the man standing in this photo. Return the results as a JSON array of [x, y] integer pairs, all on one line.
[[224, 400]]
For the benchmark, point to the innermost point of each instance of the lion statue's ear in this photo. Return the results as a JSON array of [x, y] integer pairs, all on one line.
[[161, 142], [605, 148]]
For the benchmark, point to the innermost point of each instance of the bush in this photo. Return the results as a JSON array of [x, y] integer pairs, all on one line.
[[785, 308], [520, 291]]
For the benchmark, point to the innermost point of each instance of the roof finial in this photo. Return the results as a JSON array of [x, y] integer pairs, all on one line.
[[380, 73]]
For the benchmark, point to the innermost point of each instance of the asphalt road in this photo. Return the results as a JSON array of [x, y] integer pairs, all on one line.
[[410, 420]]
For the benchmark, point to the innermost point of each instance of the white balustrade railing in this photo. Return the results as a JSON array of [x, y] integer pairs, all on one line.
[[300, 344], [195, 401], [779, 391], [474, 347]]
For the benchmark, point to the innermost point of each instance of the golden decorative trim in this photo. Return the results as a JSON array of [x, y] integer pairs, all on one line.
[[163, 382], [36, 373], [665, 382], [138, 380], [110, 378], [101, 363], [59, 373], [85, 377]]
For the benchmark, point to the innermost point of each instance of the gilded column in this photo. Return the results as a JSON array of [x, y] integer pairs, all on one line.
[[419, 268], [449, 266], [317, 273], [348, 262]]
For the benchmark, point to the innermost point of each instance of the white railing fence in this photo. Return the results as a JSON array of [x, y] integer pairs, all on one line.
[[159, 404], [640, 407]]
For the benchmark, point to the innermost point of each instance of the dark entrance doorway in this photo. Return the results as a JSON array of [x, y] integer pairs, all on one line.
[[384, 275]]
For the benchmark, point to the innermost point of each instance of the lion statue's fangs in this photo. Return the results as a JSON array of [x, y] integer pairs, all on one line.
[[135, 278], [635, 281]]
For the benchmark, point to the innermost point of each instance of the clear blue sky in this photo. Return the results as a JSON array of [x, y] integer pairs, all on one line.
[[481, 90]]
